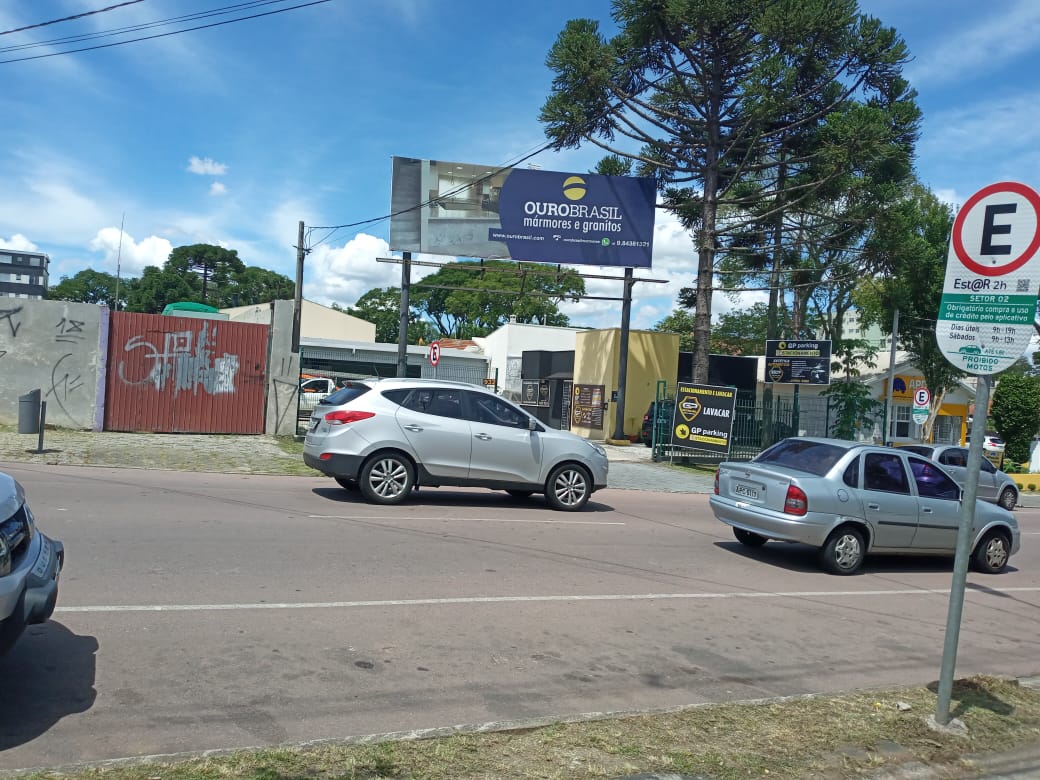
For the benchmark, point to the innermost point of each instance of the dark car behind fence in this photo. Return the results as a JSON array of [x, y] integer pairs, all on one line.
[[756, 425]]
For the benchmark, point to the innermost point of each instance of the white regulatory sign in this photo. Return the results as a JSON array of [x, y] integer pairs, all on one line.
[[922, 398], [989, 296]]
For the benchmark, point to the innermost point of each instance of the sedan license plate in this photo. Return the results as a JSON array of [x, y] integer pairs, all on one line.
[[746, 490]]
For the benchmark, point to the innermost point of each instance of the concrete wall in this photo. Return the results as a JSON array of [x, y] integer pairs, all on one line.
[[283, 368], [60, 348]]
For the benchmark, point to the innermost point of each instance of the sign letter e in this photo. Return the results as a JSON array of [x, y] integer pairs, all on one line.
[[989, 229]]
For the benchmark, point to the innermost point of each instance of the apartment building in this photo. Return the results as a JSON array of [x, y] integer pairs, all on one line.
[[23, 274]]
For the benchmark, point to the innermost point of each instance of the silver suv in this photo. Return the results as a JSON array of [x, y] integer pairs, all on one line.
[[387, 436]]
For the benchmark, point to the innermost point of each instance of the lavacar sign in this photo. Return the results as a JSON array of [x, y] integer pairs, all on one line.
[[470, 210], [703, 417]]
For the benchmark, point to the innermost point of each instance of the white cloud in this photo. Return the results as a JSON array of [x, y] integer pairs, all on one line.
[[343, 274], [217, 188], [981, 47], [18, 242], [204, 166], [129, 257]]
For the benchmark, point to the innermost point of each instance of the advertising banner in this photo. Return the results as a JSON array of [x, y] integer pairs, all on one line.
[[468, 210], [587, 406], [798, 362], [703, 417]]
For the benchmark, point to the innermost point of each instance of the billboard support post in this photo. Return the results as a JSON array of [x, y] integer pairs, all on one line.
[[626, 315], [402, 332]]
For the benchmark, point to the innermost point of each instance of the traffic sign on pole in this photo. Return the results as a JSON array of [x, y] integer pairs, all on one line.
[[922, 405], [990, 290], [435, 353]]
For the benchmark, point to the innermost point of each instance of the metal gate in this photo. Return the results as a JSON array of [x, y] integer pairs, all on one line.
[[185, 375]]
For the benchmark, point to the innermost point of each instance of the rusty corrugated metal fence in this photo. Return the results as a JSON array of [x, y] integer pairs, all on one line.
[[185, 375]]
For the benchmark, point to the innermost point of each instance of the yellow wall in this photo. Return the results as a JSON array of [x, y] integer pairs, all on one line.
[[651, 356]]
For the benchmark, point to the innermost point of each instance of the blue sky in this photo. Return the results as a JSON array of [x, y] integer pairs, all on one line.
[[232, 135]]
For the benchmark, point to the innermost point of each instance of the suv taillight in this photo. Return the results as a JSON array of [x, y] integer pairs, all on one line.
[[345, 417], [796, 503], [716, 481]]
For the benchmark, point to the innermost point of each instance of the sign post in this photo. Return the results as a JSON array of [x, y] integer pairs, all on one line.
[[922, 405], [985, 323]]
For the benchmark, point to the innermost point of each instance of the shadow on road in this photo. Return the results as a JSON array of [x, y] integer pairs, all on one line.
[[449, 497], [47, 675]]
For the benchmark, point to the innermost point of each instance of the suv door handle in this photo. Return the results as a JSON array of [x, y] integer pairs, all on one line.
[[482, 436], [414, 428], [873, 506]]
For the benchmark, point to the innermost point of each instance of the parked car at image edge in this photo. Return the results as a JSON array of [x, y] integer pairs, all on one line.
[[994, 485], [387, 436], [30, 564], [849, 499]]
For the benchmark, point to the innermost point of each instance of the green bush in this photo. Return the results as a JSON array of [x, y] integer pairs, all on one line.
[[1032, 487], [1010, 467]]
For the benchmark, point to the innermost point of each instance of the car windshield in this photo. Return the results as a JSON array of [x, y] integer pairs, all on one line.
[[811, 456]]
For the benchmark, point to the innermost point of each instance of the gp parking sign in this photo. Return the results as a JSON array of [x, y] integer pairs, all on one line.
[[989, 296]]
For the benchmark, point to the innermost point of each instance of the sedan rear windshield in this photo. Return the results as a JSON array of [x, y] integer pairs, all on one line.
[[811, 456], [345, 394]]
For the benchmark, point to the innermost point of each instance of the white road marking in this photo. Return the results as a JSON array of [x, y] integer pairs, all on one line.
[[530, 599], [477, 519]]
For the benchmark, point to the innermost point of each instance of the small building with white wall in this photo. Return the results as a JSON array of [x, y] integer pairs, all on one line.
[[316, 321], [504, 349]]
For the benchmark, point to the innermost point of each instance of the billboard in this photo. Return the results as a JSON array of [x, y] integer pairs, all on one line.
[[798, 362], [467, 210]]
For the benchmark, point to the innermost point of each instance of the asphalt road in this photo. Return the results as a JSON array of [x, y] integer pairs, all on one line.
[[211, 611]]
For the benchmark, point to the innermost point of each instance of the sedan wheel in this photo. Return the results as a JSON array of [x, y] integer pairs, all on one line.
[[748, 538], [387, 479], [991, 556], [844, 551], [1008, 498], [568, 488]]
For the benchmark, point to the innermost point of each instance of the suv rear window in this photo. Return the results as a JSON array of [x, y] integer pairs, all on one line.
[[345, 394], [811, 456]]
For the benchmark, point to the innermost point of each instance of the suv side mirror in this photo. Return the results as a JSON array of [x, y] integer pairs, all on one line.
[[532, 424]]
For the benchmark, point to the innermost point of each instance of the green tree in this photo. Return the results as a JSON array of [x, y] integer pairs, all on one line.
[[254, 285], [382, 307], [470, 299], [215, 266], [741, 331], [157, 287], [681, 322], [90, 286], [908, 246], [1016, 410], [706, 95]]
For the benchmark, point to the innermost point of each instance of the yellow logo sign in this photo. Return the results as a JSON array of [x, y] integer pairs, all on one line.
[[574, 188], [682, 432]]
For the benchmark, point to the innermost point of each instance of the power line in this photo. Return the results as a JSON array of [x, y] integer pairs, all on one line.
[[166, 34], [99, 34], [69, 18]]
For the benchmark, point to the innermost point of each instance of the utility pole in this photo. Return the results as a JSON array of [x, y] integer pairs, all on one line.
[[402, 332], [626, 313], [119, 257], [891, 377], [298, 299]]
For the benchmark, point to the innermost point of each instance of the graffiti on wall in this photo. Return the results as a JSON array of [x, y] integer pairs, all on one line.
[[66, 378], [186, 361]]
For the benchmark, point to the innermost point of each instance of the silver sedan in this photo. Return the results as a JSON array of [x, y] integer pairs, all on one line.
[[994, 485], [849, 499]]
